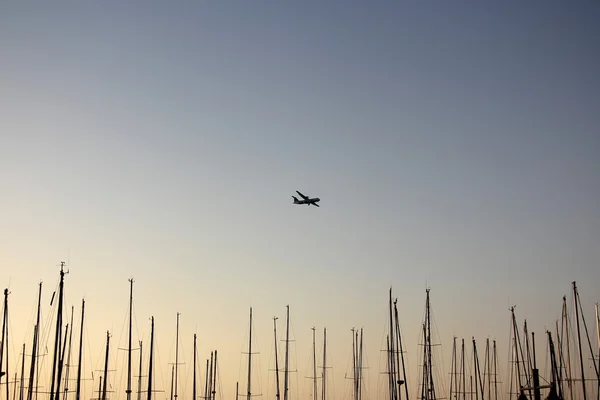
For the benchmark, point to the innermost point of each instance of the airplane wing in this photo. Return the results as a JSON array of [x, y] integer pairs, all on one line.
[[301, 195], [315, 204]]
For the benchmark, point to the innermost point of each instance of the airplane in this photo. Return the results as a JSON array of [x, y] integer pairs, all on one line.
[[306, 200]]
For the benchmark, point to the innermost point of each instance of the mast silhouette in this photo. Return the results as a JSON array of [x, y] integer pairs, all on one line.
[[21, 381], [68, 364], [78, 388], [314, 366], [34, 347], [57, 336], [324, 383], [287, 360], [150, 361], [579, 340], [194, 381], [106, 366], [249, 385], [139, 390], [128, 390], [4, 343], [177, 355], [277, 392]]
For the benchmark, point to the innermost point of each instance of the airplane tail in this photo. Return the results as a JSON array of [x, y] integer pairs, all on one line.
[[295, 199]]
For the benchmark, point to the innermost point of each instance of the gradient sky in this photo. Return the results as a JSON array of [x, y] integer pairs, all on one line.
[[454, 146]]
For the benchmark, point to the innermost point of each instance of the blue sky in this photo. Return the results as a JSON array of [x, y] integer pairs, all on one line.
[[453, 146]]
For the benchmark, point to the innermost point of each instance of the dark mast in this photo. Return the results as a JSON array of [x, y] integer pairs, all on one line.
[[4, 343], [78, 389], [128, 391], [57, 336], [34, 347], [277, 393]]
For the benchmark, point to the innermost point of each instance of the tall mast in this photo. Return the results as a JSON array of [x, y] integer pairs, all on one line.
[[34, 347], [277, 393], [354, 382], [391, 354], [61, 361], [176, 354], [462, 364], [150, 361], [453, 368], [128, 391], [214, 385], [210, 376], [4, 343], [579, 340], [429, 384], [360, 365], [287, 360], [565, 324], [488, 369], [78, 388], [106, 366], [22, 374], [495, 374], [57, 337], [68, 364], [400, 355], [314, 366], [139, 394], [476, 369], [172, 378], [194, 385], [249, 385], [206, 382], [324, 364]]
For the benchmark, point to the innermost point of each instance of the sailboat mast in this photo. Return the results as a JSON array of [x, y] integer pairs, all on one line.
[[194, 385], [314, 365], [150, 361], [128, 391], [324, 363], [176, 354], [249, 384], [139, 394], [287, 360], [78, 388], [487, 368], [354, 366], [453, 367], [475, 369], [68, 364], [277, 393], [462, 364], [431, 387], [565, 323], [206, 382], [400, 354], [106, 366], [210, 376], [57, 337], [579, 339], [495, 373], [391, 354], [214, 385], [34, 347], [22, 374], [360, 366], [4, 343]]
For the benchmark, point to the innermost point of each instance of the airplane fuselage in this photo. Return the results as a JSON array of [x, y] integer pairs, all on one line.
[[306, 200]]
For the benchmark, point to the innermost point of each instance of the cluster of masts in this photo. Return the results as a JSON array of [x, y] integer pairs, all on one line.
[[477, 381]]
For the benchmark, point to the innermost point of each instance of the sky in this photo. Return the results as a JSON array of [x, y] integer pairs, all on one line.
[[454, 146]]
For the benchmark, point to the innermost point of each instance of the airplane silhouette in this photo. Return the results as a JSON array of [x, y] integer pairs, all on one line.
[[306, 200]]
